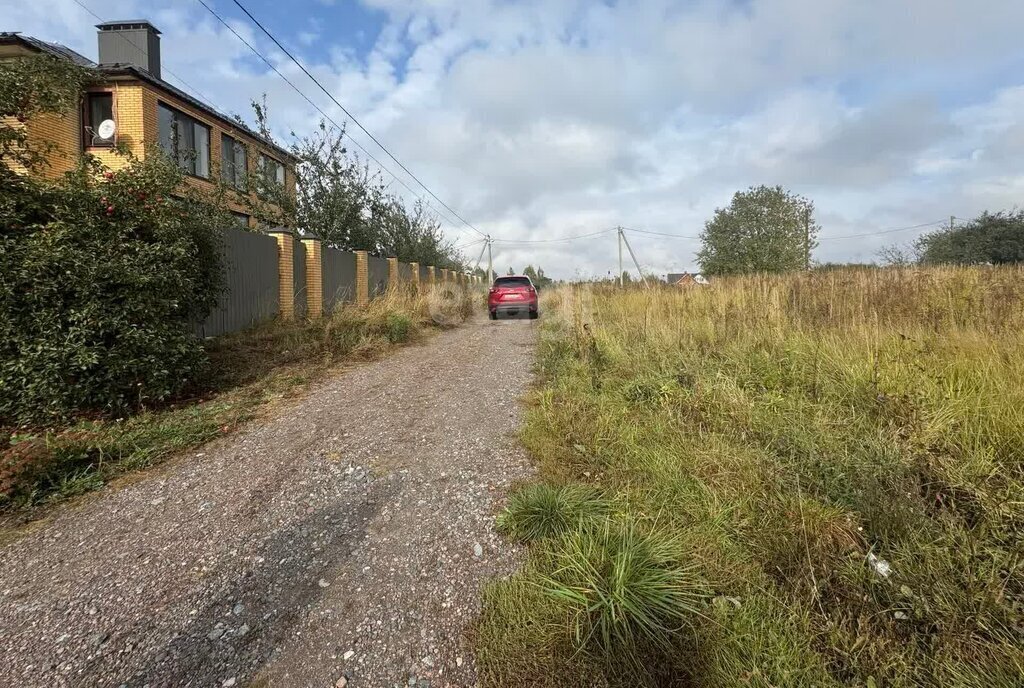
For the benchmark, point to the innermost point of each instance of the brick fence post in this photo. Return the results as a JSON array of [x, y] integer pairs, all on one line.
[[314, 276], [285, 271], [392, 273], [362, 279], [415, 272]]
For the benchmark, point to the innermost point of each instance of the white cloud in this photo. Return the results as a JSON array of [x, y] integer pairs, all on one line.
[[549, 118]]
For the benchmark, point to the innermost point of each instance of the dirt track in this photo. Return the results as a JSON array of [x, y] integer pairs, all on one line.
[[347, 536]]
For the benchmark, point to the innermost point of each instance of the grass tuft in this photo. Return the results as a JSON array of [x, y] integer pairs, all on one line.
[[541, 511], [624, 587]]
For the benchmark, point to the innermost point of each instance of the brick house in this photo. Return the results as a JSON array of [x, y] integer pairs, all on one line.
[[146, 111]]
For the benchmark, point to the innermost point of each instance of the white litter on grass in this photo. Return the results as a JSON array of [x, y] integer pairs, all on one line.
[[881, 566]]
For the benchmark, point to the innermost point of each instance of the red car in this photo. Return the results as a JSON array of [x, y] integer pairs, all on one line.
[[512, 295]]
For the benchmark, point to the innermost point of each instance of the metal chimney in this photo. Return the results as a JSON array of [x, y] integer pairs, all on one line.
[[135, 42]]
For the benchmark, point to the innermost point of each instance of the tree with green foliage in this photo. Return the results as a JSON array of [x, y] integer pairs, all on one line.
[[537, 276], [347, 205], [990, 238], [764, 229]]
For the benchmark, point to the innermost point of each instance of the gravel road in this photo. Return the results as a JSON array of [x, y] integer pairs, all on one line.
[[344, 540]]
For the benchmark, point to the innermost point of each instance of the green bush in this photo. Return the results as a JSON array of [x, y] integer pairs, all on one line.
[[102, 276], [399, 326]]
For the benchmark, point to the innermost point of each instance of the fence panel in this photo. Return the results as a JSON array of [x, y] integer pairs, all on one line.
[[424, 274], [377, 273], [299, 274], [251, 294], [339, 275], [405, 273]]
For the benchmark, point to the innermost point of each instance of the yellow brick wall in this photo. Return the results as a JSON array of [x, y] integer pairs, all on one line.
[[362, 279], [314, 278], [63, 132], [415, 272], [286, 273], [393, 273]]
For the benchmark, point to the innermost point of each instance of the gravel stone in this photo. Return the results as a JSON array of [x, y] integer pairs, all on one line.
[[373, 480]]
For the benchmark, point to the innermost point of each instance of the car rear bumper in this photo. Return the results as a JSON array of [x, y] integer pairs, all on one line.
[[513, 307]]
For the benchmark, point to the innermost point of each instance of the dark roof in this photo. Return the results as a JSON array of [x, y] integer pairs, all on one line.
[[113, 70], [55, 49], [676, 276]]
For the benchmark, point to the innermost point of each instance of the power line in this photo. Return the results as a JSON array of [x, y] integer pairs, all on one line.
[[137, 47], [664, 234], [353, 118], [470, 244], [850, 236], [884, 231], [322, 113], [554, 241]]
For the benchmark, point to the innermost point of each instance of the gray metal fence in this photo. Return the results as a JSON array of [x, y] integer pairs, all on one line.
[[339, 276], [251, 294], [405, 272], [377, 273], [424, 274]]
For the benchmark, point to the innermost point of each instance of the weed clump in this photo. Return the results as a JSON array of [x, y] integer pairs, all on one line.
[[541, 511], [624, 587]]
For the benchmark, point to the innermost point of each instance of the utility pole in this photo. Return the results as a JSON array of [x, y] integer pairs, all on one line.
[[633, 256], [619, 234], [481, 256], [490, 262]]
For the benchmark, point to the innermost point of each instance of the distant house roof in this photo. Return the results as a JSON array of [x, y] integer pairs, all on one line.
[[127, 70], [686, 278]]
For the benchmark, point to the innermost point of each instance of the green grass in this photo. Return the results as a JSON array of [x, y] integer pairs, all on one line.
[[540, 511], [777, 431], [248, 370]]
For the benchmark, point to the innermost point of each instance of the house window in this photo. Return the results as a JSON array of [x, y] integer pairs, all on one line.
[[185, 140], [233, 161], [272, 170], [98, 107], [241, 218]]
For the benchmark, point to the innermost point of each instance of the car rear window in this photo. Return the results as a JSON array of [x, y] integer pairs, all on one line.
[[512, 282]]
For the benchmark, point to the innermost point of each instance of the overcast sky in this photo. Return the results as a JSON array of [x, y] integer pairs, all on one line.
[[546, 119]]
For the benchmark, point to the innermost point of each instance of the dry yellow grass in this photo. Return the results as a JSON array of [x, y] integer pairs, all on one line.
[[790, 433]]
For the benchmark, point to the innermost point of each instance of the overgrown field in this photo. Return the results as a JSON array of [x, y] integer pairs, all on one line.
[[246, 371], [807, 480]]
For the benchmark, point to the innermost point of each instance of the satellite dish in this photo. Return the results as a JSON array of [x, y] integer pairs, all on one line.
[[106, 129]]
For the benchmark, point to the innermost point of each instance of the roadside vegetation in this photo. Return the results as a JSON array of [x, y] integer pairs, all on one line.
[[246, 372], [810, 479], [104, 274]]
